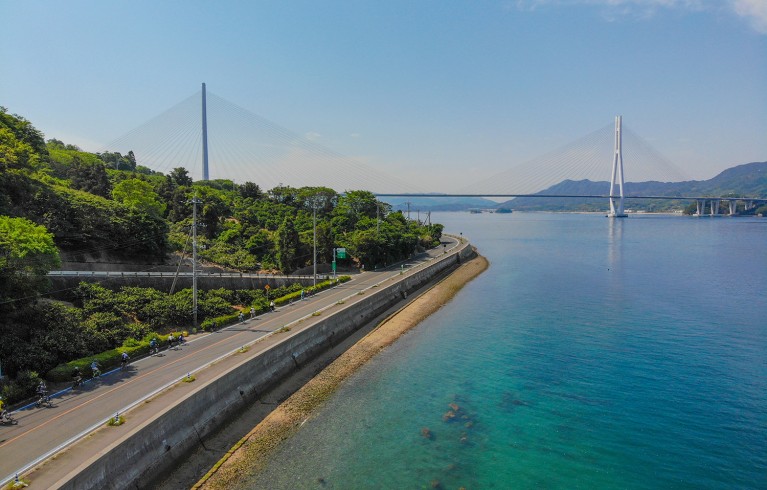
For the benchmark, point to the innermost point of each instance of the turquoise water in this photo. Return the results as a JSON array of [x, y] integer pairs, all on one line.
[[594, 353]]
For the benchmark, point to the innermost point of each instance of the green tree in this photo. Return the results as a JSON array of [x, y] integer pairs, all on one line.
[[24, 132], [91, 178], [180, 176], [139, 195], [15, 153], [251, 191], [27, 254], [287, 245]]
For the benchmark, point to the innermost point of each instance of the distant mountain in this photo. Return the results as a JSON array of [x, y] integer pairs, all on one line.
[[438, 203], [746, 180]]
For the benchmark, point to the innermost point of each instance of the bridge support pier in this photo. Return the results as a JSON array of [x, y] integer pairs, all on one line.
[[617, 174], [714, 207], [733, 207], [701, 206]]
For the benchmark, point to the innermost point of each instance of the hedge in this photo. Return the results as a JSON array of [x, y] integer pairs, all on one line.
[[308, 291], [108, 359], [136, 348], [225, 320]]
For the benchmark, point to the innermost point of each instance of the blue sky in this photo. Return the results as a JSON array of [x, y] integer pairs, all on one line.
[[422, 88]]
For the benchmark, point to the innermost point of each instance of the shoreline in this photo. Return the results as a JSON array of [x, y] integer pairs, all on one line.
[[251, 453]]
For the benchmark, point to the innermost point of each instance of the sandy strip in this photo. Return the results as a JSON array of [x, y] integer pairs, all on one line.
[[252, 452]]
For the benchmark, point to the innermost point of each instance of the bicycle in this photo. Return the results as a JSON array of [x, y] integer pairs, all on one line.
[[7, 419], [44, 399]]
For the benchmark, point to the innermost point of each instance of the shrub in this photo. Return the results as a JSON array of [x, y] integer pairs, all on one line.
[[310, 290], [20, 388], [107, 359], [220, 321]]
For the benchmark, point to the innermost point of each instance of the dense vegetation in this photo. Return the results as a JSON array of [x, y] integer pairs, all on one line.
[[58, 203]]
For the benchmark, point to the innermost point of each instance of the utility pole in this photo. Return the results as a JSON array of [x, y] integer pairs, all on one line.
[[314, 220], [195, 202]]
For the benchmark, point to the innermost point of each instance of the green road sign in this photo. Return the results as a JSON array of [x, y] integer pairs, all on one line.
[[341, 253]]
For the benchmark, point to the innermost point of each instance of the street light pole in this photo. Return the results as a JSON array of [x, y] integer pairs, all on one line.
[[195, 202]]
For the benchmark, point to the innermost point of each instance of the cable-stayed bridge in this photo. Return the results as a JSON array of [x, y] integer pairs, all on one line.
[[214, 138]]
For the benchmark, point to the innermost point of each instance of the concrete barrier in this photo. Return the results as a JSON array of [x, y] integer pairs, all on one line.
[[157, 443]]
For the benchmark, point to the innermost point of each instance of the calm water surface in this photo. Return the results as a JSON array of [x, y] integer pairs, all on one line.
[[594, 353]]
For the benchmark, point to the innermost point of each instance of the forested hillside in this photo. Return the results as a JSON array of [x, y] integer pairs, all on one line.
[[58, 202], [747, 180]]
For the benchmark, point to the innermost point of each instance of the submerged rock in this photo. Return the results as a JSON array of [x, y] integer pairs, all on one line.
[[427, 433]]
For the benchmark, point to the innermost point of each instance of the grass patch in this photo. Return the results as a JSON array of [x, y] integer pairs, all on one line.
[[22, 482], [189, 379], [340, 302], [283, 329], [316, 313], [116, 421]]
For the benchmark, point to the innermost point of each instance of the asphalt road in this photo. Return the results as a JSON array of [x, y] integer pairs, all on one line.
[[42, 432]]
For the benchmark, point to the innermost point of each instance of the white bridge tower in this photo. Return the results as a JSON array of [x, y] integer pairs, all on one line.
[[204, 136], [617, 175]]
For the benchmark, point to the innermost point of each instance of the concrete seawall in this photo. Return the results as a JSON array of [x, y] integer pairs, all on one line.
[[156, 443]]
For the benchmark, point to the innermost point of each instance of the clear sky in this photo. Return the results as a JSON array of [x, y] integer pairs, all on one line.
[[413, 86]]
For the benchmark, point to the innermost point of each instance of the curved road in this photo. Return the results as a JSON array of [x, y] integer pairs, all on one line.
[[42, 432]]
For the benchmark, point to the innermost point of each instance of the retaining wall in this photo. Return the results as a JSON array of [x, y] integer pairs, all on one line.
[[169, 435]]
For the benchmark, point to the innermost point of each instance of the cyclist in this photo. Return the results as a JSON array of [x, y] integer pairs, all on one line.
[[124, 360], [95, 368], [77, 378], [181, 339], [153, 347], [242, 317], [42, 390], [3, 411], [171, 339]]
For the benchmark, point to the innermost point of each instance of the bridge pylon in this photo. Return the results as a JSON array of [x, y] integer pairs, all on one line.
[[616, 211], [204, 135]]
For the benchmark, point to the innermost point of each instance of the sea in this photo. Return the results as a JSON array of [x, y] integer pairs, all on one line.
[[593, 353]]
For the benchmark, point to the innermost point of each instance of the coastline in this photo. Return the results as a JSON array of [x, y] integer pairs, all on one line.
[[251, 453]]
